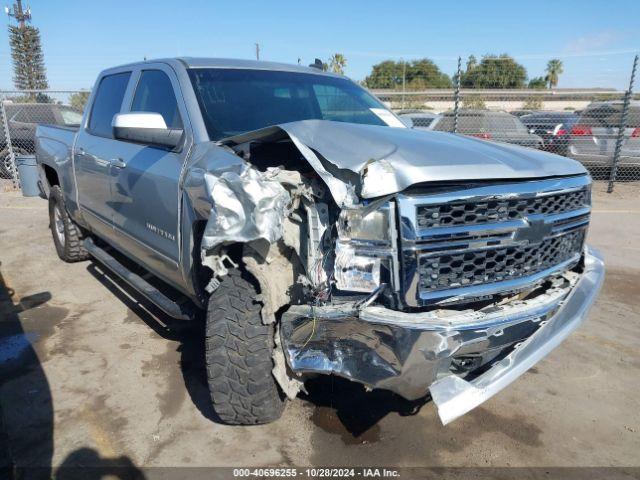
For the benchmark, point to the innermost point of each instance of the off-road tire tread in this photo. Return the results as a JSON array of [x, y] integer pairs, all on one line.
[[73, 249], [239, 348]]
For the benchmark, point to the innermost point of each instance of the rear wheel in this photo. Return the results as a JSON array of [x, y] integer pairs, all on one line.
[[239, 356], [67, 236]]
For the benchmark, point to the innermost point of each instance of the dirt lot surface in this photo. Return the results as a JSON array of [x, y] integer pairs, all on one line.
[[89, 376]]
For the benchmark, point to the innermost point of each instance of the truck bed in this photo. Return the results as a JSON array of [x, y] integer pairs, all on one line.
[[53, 143], [53, 149]]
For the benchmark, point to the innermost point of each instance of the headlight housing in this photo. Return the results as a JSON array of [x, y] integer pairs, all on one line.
[[363, 249], [360, 224]]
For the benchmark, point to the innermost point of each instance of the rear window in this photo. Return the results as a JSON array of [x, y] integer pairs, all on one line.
[[610, 116], [107, 103], [470, 123], [466, 124], [37, 114], [421, 121], [546, 119], [505, 123]]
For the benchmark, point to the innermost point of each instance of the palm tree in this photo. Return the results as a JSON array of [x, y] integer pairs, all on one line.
[[554, 70], [337, 62]]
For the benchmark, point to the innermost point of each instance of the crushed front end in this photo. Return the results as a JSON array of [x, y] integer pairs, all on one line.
[[451, 289]]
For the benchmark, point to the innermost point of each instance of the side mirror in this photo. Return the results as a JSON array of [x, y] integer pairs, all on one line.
[[147, 128]]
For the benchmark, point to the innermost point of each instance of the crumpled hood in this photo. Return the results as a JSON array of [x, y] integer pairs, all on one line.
[[388, 160]]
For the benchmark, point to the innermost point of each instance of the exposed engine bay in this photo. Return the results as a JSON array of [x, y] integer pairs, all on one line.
[[365, 263]]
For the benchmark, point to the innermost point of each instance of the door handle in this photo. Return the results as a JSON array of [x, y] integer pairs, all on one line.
[[118, 163], [81, 152]]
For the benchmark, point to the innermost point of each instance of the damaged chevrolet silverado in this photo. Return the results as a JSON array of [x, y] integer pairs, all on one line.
[[318, 234]]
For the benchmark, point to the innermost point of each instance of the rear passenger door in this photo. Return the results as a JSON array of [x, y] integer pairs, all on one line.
[[145, 179], [95, 149]]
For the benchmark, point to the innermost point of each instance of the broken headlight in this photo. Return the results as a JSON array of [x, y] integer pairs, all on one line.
[[364, 224], [355, 273], [361, 250]]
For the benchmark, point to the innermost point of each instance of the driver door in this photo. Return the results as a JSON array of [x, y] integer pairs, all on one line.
[[145, 179]]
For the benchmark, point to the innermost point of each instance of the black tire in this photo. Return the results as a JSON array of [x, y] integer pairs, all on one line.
[[67, 236], [239, 350]]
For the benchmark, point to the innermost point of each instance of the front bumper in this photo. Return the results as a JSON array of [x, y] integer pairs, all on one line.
[[411, 353]]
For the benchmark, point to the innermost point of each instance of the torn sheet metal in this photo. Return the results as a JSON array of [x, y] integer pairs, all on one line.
[[343, 194], [411, 354], [455, 396], [388, 160], [291, 386], [246, 207]]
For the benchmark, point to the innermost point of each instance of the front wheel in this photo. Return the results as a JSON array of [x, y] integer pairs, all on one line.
[[239, 356], [67, 236]]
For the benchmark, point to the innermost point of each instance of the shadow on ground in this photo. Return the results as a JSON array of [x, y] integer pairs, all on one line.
[[188, 335], [347, 409], [26, 405], [28, 432]]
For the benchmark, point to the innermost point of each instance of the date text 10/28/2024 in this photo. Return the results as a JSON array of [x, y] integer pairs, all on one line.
[[316, 472]]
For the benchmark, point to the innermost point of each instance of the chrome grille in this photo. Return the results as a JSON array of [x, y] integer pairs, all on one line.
[[491, 239], [466, 213], [488, 265]]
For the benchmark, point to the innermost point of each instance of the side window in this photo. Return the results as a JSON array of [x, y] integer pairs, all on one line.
[[154, 93], [107, 103]]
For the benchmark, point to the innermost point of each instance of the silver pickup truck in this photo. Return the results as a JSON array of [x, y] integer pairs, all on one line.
[[318, 234]]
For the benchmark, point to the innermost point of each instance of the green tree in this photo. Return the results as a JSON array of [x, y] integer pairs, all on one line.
[[79, 99], [538, 83], [554, 70], [472, 62], [337, 63], [28, 61], [419, 74], [495, 72]]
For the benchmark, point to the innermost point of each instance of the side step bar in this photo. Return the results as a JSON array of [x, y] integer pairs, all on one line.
[[150, 292]]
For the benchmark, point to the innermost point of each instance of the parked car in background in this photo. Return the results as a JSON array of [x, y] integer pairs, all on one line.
[[593, 137], [22, 120], [488, 125], [419, 120], [553, 127], [520, 113]]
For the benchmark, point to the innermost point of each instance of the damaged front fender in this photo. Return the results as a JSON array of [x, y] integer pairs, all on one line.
[[246, 207]]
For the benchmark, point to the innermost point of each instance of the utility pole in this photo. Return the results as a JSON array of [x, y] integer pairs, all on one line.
[[257, 51], [29, 72], [18, 13], [404, 80]]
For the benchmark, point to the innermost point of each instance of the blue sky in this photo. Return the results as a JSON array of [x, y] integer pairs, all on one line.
[[595, 40]]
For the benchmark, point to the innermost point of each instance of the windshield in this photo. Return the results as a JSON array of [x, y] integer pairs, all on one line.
[[235, 101]]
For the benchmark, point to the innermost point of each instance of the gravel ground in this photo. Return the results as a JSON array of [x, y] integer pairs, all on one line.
[[89, 376]]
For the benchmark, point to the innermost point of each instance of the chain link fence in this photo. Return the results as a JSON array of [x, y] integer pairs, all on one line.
[[598, 127], [20, 114]]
